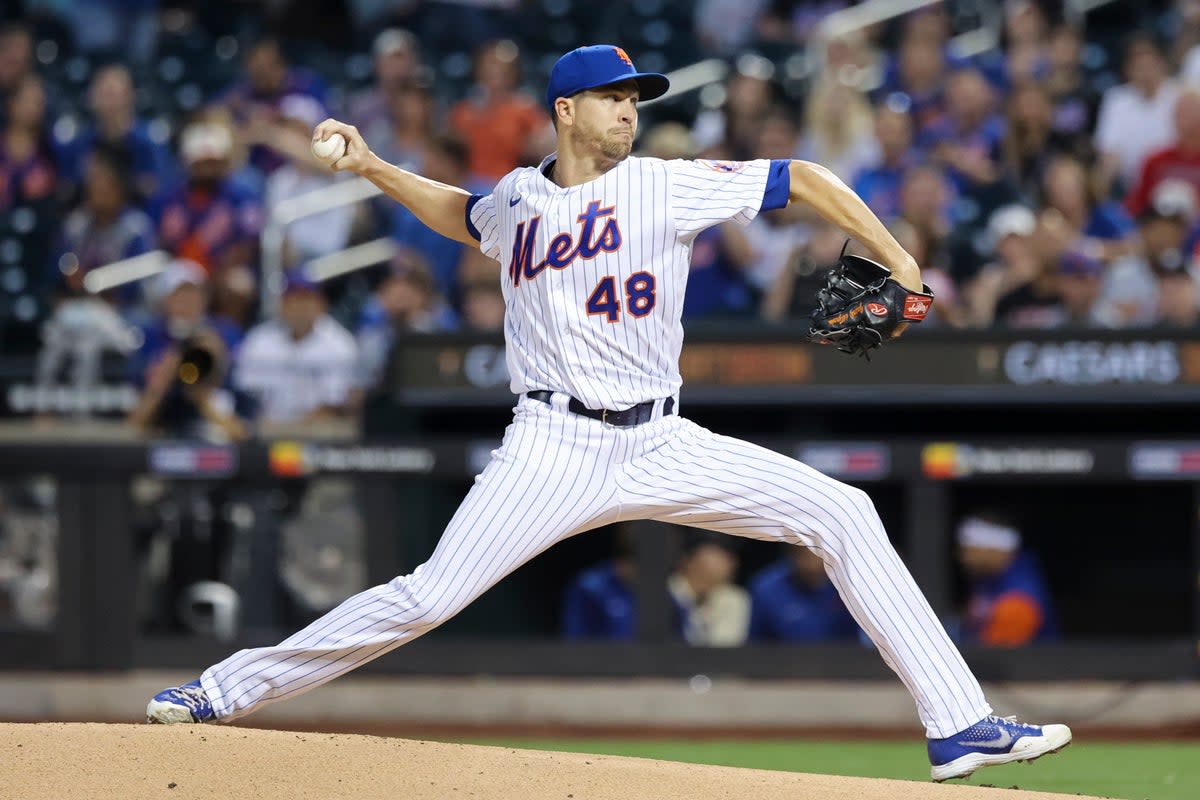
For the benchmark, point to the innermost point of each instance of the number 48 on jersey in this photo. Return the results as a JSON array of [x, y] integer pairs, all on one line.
[[639, 296]]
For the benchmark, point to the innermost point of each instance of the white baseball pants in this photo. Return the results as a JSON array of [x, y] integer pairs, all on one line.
[[557, 474]]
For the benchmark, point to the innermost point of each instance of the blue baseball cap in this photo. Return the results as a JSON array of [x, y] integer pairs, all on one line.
[[599, 65], [299, 280], [1080, 264]]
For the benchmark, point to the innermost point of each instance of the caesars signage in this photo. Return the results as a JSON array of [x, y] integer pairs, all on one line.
[[945, 358], [1086, 363], [925, 361]]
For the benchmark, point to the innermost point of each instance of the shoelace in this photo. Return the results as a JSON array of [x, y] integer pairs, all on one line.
[[192, 697], [1012, 720]]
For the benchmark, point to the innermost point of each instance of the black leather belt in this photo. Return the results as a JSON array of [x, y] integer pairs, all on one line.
[[642, 412]]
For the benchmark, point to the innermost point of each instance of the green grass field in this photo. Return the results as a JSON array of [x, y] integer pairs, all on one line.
[[1133, 771]]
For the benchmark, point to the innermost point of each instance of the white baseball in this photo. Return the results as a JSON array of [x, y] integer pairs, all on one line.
[[331, 149]]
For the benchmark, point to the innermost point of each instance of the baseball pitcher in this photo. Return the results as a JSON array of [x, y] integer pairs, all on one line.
[[594, 247]]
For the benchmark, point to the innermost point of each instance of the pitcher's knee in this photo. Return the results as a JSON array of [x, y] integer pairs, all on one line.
[[849, 513], [418, 603]]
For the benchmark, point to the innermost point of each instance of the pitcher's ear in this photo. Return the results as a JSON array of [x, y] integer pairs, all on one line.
[[564, 111]]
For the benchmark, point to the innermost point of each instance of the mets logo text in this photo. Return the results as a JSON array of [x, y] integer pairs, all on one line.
[[564, 248]]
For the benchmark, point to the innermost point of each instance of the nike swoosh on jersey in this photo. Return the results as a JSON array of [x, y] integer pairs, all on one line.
[[514, 201], [999, 743]]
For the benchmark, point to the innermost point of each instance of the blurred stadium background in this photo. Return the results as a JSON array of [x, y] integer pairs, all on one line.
[[236, 388]]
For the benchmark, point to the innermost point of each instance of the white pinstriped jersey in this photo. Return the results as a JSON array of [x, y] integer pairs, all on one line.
[[594, 274], [594, 278]]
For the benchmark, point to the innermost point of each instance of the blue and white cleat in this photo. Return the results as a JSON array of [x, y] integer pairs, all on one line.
[[187, 703], [993, 740]]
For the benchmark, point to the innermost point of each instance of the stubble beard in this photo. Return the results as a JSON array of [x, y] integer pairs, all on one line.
[[616, 148], [610, 147]]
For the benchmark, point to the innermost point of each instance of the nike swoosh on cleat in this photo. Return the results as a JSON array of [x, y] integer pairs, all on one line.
[[514, 201], [1003, 740]]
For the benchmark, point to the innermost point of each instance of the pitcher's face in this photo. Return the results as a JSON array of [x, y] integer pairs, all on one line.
[[606, 119]]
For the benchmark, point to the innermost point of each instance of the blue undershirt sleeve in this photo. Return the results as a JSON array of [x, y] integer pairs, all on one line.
[[779, 185], [471, 229]]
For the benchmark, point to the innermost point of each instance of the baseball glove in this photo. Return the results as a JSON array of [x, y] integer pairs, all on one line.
[[861, 306]]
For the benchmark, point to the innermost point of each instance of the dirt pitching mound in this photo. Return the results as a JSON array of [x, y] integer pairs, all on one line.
[[130, 762]]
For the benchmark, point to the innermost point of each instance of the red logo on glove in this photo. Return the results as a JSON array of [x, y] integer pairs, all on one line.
[[877, 309], [916, 307]]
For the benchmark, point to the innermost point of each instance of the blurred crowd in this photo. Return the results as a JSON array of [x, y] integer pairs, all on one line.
[[1006, 600], [1049, 181]]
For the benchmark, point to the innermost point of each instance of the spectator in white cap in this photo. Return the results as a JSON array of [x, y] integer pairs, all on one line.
[[1133, 291], [214, 219], [302, 174], [1009, 237], [396, 55], [182, 294], [1008, 601], [182, 364]]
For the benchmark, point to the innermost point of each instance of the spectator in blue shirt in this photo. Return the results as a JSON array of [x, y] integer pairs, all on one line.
[[180, 293], [405, 301], [967, 139], [1077, 217], [446, 162], [105, 227], [708, 608], [1008, 603], [214, 220], [599, 602], [917, 73], [792, 600], [115, 125], [269, 79], [716, 285], [879, 184]]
